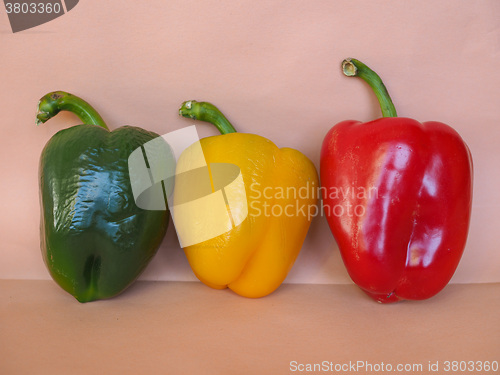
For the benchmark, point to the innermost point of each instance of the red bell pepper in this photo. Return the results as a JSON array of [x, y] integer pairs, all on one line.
[[397, 196]]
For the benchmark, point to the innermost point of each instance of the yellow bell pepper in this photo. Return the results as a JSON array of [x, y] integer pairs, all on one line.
[[279, 192]]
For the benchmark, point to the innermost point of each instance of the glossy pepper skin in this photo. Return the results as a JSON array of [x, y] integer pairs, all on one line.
[[254, 258], [397, 196], [95, 241]]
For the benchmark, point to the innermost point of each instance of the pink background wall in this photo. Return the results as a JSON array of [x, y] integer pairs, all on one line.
[[274, 69]]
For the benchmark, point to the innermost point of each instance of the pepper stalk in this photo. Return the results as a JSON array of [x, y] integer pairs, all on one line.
[[54, 102], [205, 111], [355, 68]]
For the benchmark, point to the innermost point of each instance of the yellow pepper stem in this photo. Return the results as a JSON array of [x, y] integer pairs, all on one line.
[[205, 111]]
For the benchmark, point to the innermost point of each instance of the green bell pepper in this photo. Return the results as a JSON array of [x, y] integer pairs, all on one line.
[[95, 241]]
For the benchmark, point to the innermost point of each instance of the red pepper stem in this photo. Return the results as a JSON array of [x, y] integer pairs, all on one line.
[[205, 111], [355, 68], [56, 101]]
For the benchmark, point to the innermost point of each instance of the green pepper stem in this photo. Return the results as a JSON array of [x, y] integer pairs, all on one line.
[[204, 111], [56, 101], [355, 68]]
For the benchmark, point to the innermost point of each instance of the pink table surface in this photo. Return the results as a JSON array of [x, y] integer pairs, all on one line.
[[187, 328]]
